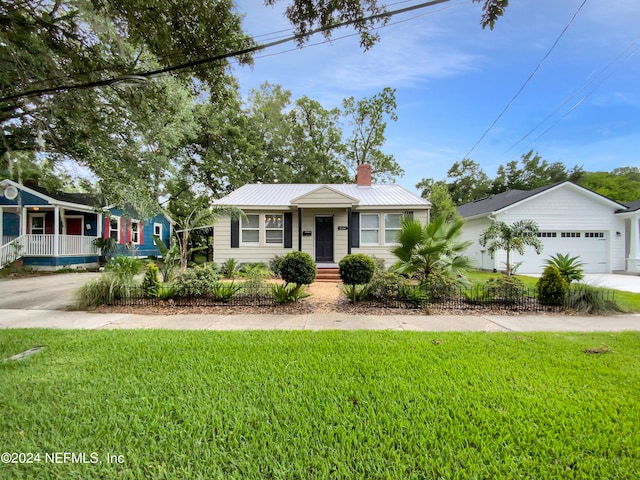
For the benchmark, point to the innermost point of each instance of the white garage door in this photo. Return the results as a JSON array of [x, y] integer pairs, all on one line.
[[591, 246]]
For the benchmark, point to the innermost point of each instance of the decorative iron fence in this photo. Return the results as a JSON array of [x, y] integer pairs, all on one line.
[[245, 295], [579, 297]]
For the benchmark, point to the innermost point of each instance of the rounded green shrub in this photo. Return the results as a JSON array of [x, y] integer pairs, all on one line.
[[357, 269], [552, 288], [298, 268], [151, 280], [506, 289]]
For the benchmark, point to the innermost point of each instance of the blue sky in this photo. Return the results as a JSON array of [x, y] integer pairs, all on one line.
[[452, 80]]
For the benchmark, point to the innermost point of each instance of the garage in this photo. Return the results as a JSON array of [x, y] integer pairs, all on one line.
[[591, 246]]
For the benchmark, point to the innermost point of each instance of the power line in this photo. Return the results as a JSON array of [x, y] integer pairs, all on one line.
[[215, 58], [513, 99]]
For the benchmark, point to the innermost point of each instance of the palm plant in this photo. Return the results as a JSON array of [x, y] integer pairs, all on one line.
[[200, 216], [570, 267], [435, 247], [517, 236]]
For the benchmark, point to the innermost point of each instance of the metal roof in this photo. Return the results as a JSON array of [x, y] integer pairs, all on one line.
[[280, 195]]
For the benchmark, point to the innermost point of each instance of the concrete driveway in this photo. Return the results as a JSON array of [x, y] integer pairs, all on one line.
[[628, 283], [48, 292]]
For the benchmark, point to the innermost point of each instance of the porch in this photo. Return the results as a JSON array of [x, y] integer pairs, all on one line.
[[48, 246]]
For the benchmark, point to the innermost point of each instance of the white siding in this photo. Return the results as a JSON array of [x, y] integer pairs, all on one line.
[[477, 253], [564, 209]]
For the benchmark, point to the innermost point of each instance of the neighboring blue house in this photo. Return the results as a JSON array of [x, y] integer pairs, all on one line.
[[51, 230]]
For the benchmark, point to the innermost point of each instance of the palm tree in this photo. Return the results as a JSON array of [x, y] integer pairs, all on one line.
[[517, 236], [425, 249], [200, 216]]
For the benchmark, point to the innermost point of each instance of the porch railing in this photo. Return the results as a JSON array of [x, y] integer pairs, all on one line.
[[11, 250], [43, 245]]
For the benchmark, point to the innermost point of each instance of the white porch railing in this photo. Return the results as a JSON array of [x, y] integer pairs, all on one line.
[[12, 250], [43, 245]]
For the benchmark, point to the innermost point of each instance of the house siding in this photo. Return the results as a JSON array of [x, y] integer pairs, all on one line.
[[264, 252], [565, 209]]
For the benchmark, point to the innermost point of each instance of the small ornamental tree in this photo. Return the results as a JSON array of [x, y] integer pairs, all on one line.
[[298, 268], [356, 269], [151, 280], [515, 237], [552, 288]]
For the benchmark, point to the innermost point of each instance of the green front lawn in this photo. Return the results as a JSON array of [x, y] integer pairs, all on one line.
[[179, 404]]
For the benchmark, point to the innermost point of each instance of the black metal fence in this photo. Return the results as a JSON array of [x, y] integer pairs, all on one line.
[[246, 295], [477, 298], [580, 297]]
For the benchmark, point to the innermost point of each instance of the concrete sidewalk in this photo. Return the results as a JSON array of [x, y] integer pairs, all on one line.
[[10, 318]]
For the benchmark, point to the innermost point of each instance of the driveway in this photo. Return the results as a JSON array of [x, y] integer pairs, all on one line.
[[616, 281], [47, 292]]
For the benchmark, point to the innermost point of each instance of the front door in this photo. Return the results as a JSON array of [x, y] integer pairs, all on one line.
[[324, 239], [74, 226]]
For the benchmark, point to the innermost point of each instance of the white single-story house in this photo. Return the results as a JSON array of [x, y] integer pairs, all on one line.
[[326, 221], [571, 219]]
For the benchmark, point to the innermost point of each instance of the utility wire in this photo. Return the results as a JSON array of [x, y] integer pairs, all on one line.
[[236, 53], [513, 99]]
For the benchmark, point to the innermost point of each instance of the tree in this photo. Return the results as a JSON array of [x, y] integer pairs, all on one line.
[[427, 249], [367, 117], [310, 15], [199, 216], [442, 204], [517, 236], [621, 184], [316, 143], [534, 173], [469, 182]]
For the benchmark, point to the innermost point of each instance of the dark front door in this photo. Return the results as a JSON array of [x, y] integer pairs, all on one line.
[[324, 239]]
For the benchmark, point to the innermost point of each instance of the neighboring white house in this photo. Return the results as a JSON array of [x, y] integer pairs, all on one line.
[[325, 221], [571, 219]]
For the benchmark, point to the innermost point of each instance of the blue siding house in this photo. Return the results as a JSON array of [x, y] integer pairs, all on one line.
[[51, 230]]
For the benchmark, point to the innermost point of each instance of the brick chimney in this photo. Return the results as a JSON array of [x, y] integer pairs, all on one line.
[[363, 177]]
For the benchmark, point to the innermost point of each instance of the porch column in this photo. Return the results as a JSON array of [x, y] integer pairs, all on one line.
[[100, 225], [299, 229], [633, 262], [56, 230], [349, 226], [23, 221], [1, 223]]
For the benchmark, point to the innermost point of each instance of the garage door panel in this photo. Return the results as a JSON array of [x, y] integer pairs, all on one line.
[[592, 251]]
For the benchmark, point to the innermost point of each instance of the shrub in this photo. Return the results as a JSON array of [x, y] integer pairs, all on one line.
[[198, 281], [552, 288], [151, 280], [122, 269], [224, 292], [439, 286], [589, 300], [255, 271], [274, 265], [356, 293], [357, 269], [229, 268], [413, 294], [285, 293], [94, 293], [569, 267], [506, 289], [298, 268], [385, 285]]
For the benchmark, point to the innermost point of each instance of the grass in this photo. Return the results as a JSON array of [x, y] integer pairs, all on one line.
[[179, 404], [627, 301]]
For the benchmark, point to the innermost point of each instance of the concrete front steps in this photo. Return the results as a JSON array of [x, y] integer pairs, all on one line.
[[328, 274]]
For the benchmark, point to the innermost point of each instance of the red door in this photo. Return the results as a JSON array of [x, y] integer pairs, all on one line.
[[74, 226]]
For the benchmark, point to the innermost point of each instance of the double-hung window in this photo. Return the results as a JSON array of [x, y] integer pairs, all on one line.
[[157, 229], [274, 228], [369, 229], [114, 228], [392, 227], [135, 232], [251, 229]]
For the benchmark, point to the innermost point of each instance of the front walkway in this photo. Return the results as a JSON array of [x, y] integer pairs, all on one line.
[[10, 318]]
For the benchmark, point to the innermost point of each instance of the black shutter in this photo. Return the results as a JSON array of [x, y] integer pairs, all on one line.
[[288, 230], [235, 233], [354, 230]]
